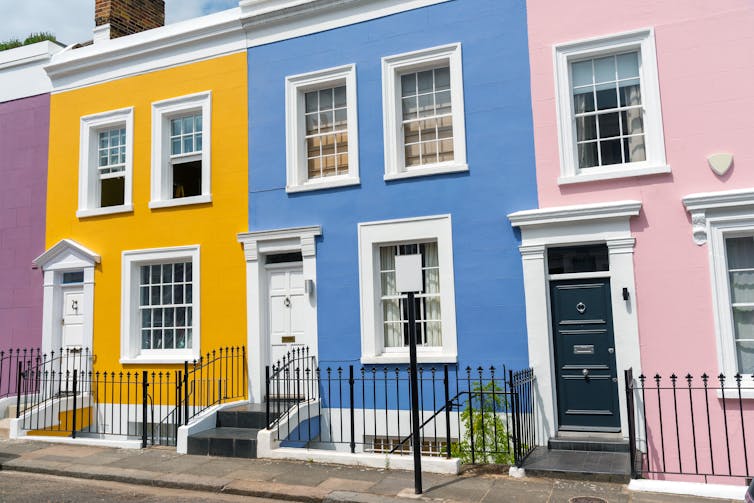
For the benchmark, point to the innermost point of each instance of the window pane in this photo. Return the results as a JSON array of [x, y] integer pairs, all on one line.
[[424, 81], [588, 155], [178, 270], [745, 354], [198, 123], [740, 252], [340, 96], [610, 152], [628, 65], [442, 78], [607, 96], [325, 99], [175, 146], [311, 102], [175, 127], [168, 335], [742, 286], [632, 122], [581, 73], [743, 320], [574, 259], [408, 84], [409, 108], [630, 93], [633, 148], [586, 128], [188, 125], [187, 179], [112, 191], [609, 125], [146, 339], [604, 69]]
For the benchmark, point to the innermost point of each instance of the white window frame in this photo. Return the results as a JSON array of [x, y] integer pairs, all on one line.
[[392, 68], [372, 235], [642, 41], [714, 217], [296, 86], [130, 336], [162, 113], [89, 182]]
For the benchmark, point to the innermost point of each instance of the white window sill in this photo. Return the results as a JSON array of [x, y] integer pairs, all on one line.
[[180, 201], [623, 171], [107, 210], [327, 183], [421, 357], [731, 393], [431, 169], [154, 359]]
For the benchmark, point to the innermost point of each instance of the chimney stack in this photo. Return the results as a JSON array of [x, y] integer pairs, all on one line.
[[117, 18]]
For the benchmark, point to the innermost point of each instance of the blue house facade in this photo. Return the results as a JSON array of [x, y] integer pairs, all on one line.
[[404, 133]]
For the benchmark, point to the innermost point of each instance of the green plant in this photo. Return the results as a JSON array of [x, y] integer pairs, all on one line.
[[33, 38], [10, 44], [482, 415]]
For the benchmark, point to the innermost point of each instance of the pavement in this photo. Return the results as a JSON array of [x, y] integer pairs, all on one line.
[[300, 481]]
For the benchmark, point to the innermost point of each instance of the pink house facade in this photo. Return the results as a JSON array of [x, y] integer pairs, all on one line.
[[24, 134], [645, 175]]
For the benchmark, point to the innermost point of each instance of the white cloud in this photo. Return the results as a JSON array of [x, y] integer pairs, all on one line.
[[73, 20]]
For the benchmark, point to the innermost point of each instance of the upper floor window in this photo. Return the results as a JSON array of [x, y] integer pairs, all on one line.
[[180, 151], [321, 131], [105, 163], [609, 108], [423, 113]]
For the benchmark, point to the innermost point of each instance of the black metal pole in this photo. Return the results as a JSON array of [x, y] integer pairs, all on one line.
[[144, 394], [353, 425], [18, 388], [414, 394], [75, 382], [267, 395], [446, 384]]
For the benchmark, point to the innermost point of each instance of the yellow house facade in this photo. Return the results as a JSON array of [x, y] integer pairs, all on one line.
[[148, 188]]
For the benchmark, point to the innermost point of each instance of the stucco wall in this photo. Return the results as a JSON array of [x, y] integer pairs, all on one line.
[[24, 127], [488, 286]]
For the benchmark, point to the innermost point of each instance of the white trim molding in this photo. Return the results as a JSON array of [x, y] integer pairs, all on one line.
[[257, 245], [130, 334], [22, 71], [436, 228], [65, 256], [162, 112], [541, 229], [716, 216], [564, 55], [89, 180], [392, 69], [700, 204], [295, 127]]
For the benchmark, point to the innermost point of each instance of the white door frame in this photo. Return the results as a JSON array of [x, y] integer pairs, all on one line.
[[65, 256], [577, 225], [257, 245]]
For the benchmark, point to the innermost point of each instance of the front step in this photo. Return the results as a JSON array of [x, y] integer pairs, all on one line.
[[586, 458], [235, 435]]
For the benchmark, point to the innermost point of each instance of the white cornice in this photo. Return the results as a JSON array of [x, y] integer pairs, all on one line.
[[172, 45], [577, 213], [723, 199], [267, 21], [41, 51], [22, 70]]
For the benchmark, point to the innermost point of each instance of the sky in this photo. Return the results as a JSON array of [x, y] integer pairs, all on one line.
[[73, 20]]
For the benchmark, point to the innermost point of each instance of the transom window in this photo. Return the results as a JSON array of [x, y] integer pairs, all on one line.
[[111, 167], [326, 116], [427, 116], [608, 110], [740, 259], [575, 259], [427, 302], [166, 297]]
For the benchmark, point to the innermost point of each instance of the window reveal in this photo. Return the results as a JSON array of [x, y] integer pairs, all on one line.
[[326, 132], [427, 117], [608, 110], [427, 302], [165, 306]]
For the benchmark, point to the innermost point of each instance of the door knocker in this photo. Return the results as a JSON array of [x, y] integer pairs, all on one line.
[[287, 302], [580, 307], [75, 306]]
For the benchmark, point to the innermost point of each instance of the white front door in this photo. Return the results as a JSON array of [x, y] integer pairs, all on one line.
[[287, 300], [72, 332]]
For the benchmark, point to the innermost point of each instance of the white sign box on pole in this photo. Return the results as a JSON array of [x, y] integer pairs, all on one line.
[[408, 273]]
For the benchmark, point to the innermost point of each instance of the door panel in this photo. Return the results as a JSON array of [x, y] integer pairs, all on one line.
[[585, 355], [287, 302], [73, 319]]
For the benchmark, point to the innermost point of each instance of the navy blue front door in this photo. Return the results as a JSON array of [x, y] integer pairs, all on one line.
[[587, 381]]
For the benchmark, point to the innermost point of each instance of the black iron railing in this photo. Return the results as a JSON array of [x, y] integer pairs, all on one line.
[[9, 362], [479, 415], [698, 426], [145, 405]]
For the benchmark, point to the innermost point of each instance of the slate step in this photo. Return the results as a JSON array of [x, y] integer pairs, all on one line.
[[243, 416], [225, 441], [588, 444], [582, 465]]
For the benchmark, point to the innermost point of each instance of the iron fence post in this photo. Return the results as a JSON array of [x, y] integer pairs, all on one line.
[[629, 377], [353, 424], [18, 388], [75, 382], [446, 384], [514, 419], [144, 398], [185, 393], [267, 395]]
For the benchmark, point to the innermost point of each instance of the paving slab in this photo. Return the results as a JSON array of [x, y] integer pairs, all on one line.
[[276, 491], [338, 484]]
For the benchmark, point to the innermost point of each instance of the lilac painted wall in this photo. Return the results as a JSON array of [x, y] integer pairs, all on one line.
[[24, 133], [704, 59]]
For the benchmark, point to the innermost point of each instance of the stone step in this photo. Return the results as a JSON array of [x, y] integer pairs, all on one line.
[[5, 427], [588, 444], [225, 441], [583, 465], [244, 416]]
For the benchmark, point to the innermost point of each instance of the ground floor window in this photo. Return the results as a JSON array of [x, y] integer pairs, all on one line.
[[739, 252], [160, 311]]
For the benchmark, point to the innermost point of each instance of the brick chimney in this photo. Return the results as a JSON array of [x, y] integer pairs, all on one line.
[[117, 18]]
